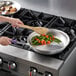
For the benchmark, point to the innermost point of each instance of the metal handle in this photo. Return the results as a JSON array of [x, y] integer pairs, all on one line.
[[13, 41], [17, 42]]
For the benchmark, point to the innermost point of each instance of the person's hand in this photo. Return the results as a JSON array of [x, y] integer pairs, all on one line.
[[15, 22], [5, 41]]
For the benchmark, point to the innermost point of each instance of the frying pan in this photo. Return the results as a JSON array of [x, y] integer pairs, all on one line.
[[12, 3], [52, 48]]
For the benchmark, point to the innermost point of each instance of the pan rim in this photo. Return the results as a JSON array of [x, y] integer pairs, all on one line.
[[49, 52]]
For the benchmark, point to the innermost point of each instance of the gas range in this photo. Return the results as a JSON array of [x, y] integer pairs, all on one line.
[[42, 65]]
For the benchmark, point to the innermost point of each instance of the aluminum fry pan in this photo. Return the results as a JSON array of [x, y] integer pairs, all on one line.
[[52, 48]]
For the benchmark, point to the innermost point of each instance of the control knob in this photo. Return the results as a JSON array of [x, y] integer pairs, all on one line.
[[1, 60], [12, 65], [48, 74], [33, 72]]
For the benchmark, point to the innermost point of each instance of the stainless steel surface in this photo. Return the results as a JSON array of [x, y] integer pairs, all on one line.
[[26, 59], [2, 73], [31, 56], [69, 67], [12, 3], [53, 48], [64, 8]]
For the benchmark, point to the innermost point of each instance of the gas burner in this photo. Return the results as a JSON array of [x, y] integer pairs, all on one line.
[[20, 38], [23, 39], [34, 18]]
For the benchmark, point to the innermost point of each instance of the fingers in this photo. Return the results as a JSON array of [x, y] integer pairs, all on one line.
[[5, 41], [14, 26], [9, 40], [20, 23], [17, 23]]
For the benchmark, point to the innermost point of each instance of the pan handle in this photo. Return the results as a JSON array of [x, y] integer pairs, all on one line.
[[13, 41]]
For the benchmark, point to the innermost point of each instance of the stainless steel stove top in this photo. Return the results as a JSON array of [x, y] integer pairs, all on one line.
[[23, 54], [34, 18]]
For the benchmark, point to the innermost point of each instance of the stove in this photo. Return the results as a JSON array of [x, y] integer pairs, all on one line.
[[20, 59]]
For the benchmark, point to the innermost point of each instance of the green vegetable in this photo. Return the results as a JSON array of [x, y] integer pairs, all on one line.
[[57, 40], [37, 40]]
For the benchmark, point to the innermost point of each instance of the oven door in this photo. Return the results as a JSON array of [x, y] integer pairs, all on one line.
[[6, 73]]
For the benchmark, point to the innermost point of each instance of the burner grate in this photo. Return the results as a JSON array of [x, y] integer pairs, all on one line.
[[34, 18]]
